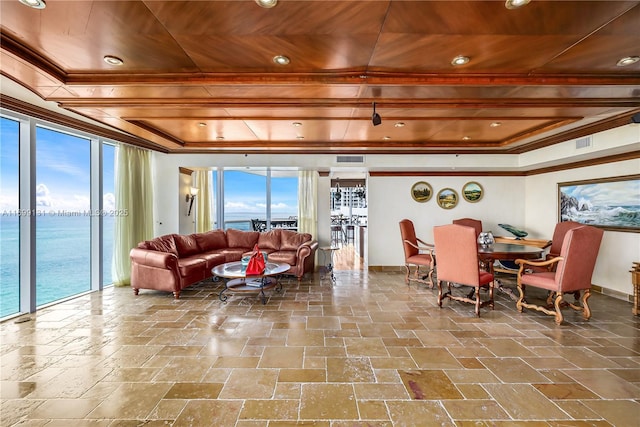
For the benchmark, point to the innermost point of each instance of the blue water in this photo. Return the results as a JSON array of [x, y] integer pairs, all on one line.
[[63, 268], [619, 216]]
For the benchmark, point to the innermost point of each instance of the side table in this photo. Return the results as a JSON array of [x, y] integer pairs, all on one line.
[[328, 266]]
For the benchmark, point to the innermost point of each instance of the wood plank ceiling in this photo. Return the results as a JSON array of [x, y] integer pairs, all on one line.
[[199, 76]]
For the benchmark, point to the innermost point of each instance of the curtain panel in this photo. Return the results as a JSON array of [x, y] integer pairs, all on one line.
[[307, 206], [134, 196], [202, 181]]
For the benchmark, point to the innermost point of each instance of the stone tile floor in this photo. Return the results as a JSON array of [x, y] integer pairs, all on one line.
[[365, 351]]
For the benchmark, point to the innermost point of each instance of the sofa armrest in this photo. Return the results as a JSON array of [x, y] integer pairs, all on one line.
[[149, 258], [306, 249]]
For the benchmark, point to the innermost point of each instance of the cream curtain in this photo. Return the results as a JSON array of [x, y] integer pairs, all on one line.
[[202, 181], [133, 196], [307, 207]]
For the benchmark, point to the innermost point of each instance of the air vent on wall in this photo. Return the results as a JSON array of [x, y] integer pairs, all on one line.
[[349, 159], [583, 142]]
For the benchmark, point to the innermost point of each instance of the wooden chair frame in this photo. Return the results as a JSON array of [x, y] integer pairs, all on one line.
[[554, 300], [421, 251], [419, 275]]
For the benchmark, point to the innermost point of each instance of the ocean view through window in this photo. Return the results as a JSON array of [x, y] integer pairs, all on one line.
[[9, 220], [247, 195], [244, 198], [50, 166], [63, 228]]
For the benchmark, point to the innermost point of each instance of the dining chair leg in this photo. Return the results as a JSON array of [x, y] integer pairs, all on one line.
[[586, 311], [557, 304], [477, 289], [491, 295], [430, 275], [581, 303], [442, 295], [521, 290]]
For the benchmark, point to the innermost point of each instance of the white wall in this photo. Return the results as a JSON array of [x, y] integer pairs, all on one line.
[[390, 201], [167, 202], [186, 223], [324, 209], [618, 249]]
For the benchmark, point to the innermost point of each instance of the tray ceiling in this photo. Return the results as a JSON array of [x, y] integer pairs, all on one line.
[[200, 76]]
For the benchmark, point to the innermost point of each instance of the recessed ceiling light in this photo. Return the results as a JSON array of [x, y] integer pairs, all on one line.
[[202, 124], [113, 60], [36, 4], [299, 137], [219, 138], [460, 60], [495, 124], [267, 4], [628, 61], [466, 138], [297, 124], [399, 125], [281, 60], [386, 138], [514, 4]]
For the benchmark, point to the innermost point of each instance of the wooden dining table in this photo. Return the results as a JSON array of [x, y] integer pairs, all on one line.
[[507, 252]]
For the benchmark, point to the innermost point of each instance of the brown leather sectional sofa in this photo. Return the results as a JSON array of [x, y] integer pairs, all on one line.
[[172, 262]]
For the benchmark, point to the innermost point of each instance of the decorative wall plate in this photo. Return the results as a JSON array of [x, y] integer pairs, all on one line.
[[472, 192], [447, 198], [421, 191]]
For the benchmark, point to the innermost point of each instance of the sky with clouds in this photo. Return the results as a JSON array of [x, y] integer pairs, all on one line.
[[245, 193], [62, 170], [618, 193], [63, 178]]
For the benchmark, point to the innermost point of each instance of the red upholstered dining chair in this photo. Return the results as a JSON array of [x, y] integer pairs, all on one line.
[[559, 232], [457, 252], [470, 222], [477, 226], [558, 237], [418, 254], [573, 271]]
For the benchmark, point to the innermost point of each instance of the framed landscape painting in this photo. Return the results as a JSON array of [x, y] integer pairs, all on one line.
[[609, 203]]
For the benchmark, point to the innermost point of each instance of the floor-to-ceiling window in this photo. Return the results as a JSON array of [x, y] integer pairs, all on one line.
[[284, 196], [259, 198], [50, 241], [245, 197], [63, 227], [9, 217]]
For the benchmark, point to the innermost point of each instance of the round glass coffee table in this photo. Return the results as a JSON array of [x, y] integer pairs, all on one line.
[[240, 282]]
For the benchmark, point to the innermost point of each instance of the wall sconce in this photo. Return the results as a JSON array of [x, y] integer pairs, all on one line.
[[193, 192], [337, 195]]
